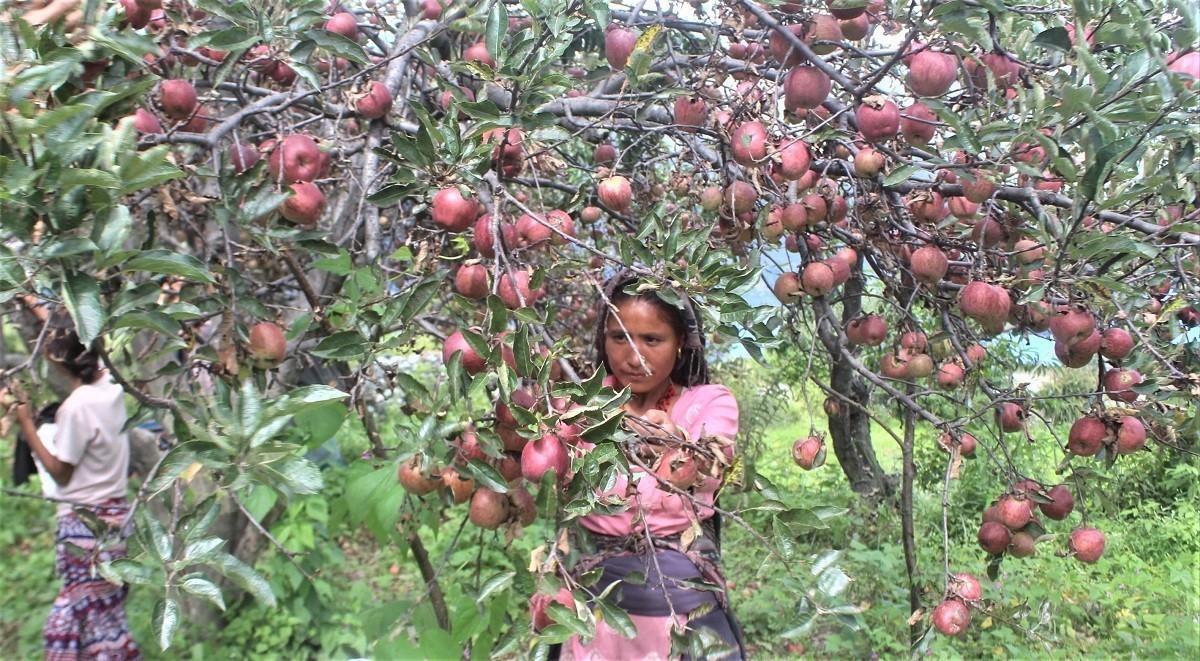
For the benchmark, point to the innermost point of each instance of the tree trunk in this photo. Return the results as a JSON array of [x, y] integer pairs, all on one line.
[[849, 424], [850, 430]]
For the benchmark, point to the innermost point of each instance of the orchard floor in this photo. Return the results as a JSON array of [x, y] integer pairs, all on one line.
[[1141, 600]]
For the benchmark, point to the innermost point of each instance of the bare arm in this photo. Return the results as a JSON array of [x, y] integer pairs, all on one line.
[[53, 11], [35, 307]]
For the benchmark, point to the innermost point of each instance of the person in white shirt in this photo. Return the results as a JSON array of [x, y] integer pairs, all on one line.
[[89, 466], [46, 428]]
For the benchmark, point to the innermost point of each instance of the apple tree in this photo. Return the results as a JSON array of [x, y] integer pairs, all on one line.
[[236, 196]]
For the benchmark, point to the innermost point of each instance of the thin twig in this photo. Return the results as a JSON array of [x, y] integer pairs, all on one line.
[[266, 533]]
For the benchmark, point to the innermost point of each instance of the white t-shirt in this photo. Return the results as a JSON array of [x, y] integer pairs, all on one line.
[[90, 437], [46, 433]]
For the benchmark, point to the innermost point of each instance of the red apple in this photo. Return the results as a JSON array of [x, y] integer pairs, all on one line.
[[452, 212], [296, 158], [306, 204]]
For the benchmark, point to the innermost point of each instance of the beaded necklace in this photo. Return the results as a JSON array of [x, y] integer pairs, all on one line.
[[664, 403]]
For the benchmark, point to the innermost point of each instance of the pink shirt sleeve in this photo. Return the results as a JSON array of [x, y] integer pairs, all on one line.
[[708, 410]]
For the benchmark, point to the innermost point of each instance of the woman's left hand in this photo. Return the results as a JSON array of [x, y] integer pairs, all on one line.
[[654, 423]]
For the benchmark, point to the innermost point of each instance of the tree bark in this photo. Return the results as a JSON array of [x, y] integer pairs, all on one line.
[[849, 423], [908, 526], [850, 431]]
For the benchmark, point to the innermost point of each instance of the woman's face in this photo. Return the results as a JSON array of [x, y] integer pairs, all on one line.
[[641, 345]]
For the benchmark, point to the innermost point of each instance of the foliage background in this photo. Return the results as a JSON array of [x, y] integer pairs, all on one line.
[[346, 585], [1141, 599]]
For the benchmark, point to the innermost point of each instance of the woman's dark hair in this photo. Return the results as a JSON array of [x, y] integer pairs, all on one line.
[[63, 347], [46, 415], [691, 368]]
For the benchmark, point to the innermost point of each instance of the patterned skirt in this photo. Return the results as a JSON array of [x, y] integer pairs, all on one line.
[[87, 620]]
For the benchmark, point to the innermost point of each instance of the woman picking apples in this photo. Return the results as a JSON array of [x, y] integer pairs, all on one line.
[[666, 533], [90, 466]]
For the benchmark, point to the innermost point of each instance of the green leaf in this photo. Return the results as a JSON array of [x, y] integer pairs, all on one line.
[[159, 322], [109, 234], [166, 620], [604, 429], [177, 460], [424, 141], [340, 265], [88, 177], [200, 521], [495, 584], [494, 31], [203, 549], [847, 4], [68, 247], [321, 422], [802, 517], [599, 11], [833, 581], [849, 620], [160, 543], [567, 618], [264, 201], [617, 618], [170, 263], [522, 354], [486, 475], [205, 589], [825, 562], [346, 345], [993, 567], [498, 314], [405, 307], [308, 73], [411, 387], [229, 39], [269, 431], [390, 194], [338, 45], [130, 45], [902, 173], [250, 405], [294, 474], [126, 571], [146, 169], [1096, 172], [81, 294], [1054, 38], [804, 629], [375, 497], [61, 124], [245, 577]]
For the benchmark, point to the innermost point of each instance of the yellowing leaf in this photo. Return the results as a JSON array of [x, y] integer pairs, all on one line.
[[190, 472], [645, 41], [736, 473], [535, 559], [564, 542]]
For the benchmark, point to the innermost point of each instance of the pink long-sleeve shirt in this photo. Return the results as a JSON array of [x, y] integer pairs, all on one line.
[[707, 410]]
